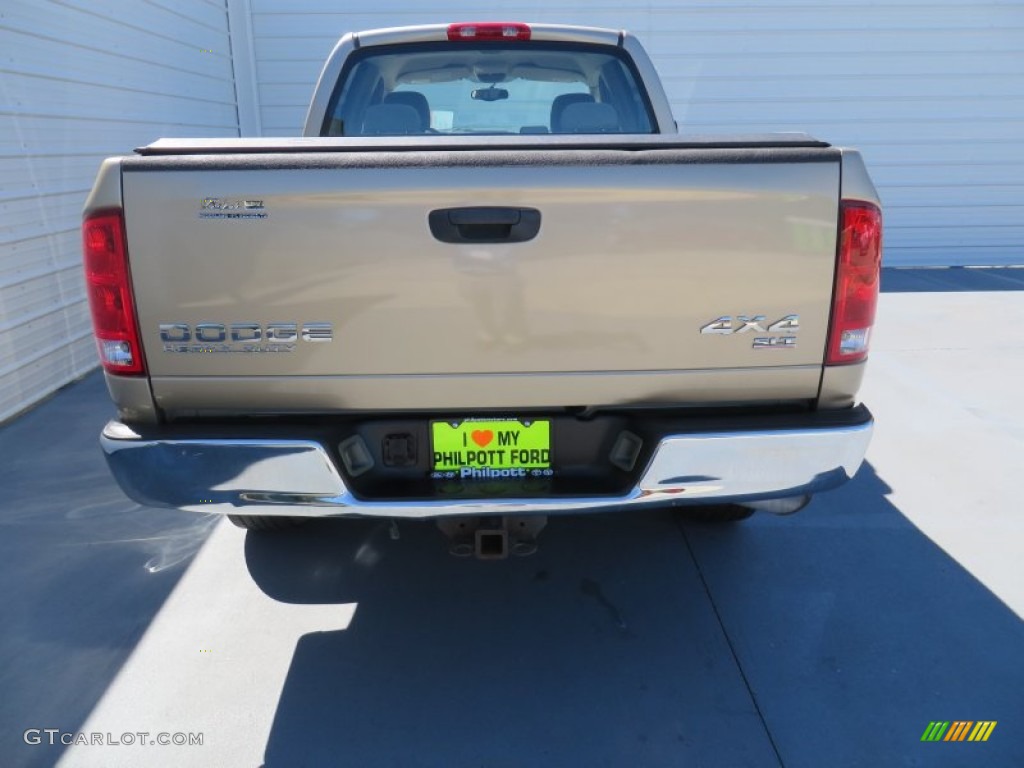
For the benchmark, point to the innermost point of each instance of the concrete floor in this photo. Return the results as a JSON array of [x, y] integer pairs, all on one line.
[[831, 638]]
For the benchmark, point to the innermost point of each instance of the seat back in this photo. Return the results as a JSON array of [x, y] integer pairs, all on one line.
[[413, 99], [390, 120], [590, 118]]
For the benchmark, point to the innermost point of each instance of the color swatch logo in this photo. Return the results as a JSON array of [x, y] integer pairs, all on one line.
[[958, 730]]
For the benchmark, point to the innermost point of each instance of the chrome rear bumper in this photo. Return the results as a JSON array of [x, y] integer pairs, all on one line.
[[299, 477]]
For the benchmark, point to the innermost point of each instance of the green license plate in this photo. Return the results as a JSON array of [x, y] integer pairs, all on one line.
[[471, 447]]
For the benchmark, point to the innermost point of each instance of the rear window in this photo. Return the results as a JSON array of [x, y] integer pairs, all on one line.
[[488, 88]]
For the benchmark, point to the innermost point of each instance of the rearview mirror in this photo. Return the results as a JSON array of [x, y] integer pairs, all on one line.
[[489, 94]]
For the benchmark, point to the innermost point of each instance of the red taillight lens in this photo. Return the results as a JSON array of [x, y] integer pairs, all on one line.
[[489, 30], [857, 276], [108, 285]]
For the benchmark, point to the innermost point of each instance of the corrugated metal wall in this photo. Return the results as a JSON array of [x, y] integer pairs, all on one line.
[[80, 81], [932, 91]]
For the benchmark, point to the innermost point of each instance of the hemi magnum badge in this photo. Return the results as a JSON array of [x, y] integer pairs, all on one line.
[[223, 208]]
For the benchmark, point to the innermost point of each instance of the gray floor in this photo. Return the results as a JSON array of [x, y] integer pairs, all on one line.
[[831, 638]]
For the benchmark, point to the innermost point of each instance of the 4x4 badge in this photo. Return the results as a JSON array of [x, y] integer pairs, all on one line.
[[726, 325]]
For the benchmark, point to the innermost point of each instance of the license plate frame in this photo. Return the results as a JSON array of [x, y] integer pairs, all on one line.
[[478, 448]]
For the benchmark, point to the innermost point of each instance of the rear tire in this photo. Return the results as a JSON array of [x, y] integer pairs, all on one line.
[[715, 514], [266, 522]]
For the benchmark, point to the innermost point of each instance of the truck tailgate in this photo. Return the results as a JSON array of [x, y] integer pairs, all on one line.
[[636, 253]]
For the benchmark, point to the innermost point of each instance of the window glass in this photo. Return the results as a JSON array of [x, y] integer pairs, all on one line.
[[486, 89]]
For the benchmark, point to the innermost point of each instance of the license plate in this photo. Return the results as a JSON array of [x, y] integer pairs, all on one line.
[[481, 448]]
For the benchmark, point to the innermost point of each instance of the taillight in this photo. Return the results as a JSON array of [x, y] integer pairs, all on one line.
[[108, 285], [489, 30], [858, 272]]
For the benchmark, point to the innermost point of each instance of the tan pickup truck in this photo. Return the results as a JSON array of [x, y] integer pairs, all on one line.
[[492, 281]]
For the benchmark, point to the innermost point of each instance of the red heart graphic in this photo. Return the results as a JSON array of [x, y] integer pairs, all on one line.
[[482, 437]]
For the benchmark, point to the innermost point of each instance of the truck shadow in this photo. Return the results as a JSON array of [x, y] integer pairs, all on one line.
[[631, 639], [602, 644], [855, 631]]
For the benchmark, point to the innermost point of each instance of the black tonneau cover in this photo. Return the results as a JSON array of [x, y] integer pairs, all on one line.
[[456, 143]]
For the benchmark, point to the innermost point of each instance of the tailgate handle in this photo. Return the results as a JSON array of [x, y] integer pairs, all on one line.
[[484, 224]]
